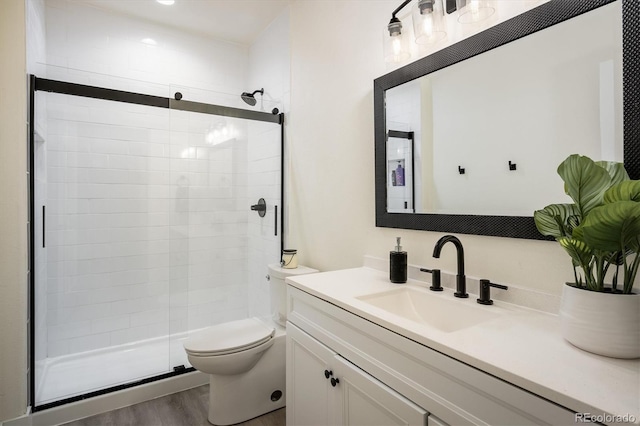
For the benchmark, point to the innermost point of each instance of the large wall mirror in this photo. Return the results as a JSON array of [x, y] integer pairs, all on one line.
[[468, 139]]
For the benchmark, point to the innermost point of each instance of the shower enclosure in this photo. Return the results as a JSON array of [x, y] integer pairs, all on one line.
[[142, 231]]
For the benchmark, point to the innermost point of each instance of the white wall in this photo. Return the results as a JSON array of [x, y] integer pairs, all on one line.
[[336, 55], [13, 210], [93, 46]]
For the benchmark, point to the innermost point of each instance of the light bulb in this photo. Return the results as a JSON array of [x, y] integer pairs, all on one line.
[[428, 22], [427, 26], [474, 10], [397, 46]]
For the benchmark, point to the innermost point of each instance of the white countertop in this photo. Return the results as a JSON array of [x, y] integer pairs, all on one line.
[[522, 346]]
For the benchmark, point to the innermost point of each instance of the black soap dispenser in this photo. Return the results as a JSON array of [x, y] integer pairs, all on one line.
[[398, 264]]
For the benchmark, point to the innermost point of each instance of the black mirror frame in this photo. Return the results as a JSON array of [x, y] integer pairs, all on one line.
[[541, 17]]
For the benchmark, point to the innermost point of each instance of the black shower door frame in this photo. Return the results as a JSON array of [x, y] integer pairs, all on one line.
[[36, 84]]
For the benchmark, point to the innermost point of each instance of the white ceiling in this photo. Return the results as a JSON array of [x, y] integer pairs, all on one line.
[[239, 21]]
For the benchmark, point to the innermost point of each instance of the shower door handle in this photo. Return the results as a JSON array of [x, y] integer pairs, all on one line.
[[44, 228]]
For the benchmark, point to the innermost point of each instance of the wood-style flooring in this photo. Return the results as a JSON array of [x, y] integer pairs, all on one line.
[[187, 408]]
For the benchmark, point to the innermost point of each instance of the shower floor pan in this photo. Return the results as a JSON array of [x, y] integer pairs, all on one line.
[[78, 374]]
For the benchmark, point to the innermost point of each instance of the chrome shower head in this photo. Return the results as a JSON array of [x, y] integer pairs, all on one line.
[[250, 98]]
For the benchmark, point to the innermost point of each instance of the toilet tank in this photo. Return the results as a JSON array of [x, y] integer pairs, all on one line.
[[278, 288]]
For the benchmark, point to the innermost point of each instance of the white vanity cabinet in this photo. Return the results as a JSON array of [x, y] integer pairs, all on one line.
[[382, 373], [310, 399], [325, 389]]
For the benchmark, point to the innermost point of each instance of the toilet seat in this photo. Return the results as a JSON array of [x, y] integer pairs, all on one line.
[[230, 337]]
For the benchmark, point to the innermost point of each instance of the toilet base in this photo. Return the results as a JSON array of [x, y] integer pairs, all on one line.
[[240, 397]]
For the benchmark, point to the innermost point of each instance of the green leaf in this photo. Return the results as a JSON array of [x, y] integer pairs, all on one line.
[[624, 191], [613, 226], [578, 233], [584, 181], [615, 169], [580, 252], [572, 223], [554, 220]]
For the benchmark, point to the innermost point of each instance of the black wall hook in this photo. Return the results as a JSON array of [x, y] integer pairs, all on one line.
[[512, 166], [461, 170]]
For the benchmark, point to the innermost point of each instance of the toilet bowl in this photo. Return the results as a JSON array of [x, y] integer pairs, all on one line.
[[245, 359], [229, 348]]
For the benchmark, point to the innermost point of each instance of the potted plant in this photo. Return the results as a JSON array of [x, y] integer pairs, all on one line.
[[600, 231]]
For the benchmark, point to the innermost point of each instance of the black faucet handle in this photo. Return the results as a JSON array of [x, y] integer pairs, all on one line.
[[435, 279], [485, 291]]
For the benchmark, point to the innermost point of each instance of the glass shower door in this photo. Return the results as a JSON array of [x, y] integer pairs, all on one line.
[[147, 234], [221, 166], [109, 244]]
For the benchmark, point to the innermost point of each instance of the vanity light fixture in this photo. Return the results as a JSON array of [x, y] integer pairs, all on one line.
[[470, 11], [396, 47], [429, 23]]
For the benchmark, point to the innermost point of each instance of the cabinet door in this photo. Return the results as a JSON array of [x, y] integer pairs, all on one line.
[[365, 401], [310, 398]]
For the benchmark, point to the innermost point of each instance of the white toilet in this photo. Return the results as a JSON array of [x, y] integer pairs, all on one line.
[[246, 358]]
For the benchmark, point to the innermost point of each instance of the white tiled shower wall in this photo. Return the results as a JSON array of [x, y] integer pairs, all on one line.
[[164, 240], [146, 225]]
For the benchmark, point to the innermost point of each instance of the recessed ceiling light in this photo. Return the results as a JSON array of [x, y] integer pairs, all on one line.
[[166, 2], [149, 41]]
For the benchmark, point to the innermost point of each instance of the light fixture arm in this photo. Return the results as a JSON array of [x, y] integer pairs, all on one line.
[[399, 8], [395, 26]]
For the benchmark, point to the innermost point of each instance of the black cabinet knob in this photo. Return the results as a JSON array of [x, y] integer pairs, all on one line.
[[328, 373], [334, 382]]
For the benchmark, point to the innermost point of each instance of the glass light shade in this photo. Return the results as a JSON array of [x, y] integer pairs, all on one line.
[[396, 48], [428, 21], [470, 11]]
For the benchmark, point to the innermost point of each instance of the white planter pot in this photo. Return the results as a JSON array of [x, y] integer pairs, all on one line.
[[601, 323]]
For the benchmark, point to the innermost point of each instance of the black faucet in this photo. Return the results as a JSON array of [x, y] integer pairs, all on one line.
[[461, 280]]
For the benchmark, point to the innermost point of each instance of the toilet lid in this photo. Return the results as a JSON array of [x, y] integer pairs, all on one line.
[[229, 337]]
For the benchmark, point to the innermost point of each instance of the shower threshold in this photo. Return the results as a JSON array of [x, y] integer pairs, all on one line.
[[89, 372]]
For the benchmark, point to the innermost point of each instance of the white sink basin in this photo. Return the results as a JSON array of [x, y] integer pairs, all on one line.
[[424, 307]]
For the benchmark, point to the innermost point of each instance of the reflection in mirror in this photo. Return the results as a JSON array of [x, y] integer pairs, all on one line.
[[528, 104], [400, 172], [475, 143]]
